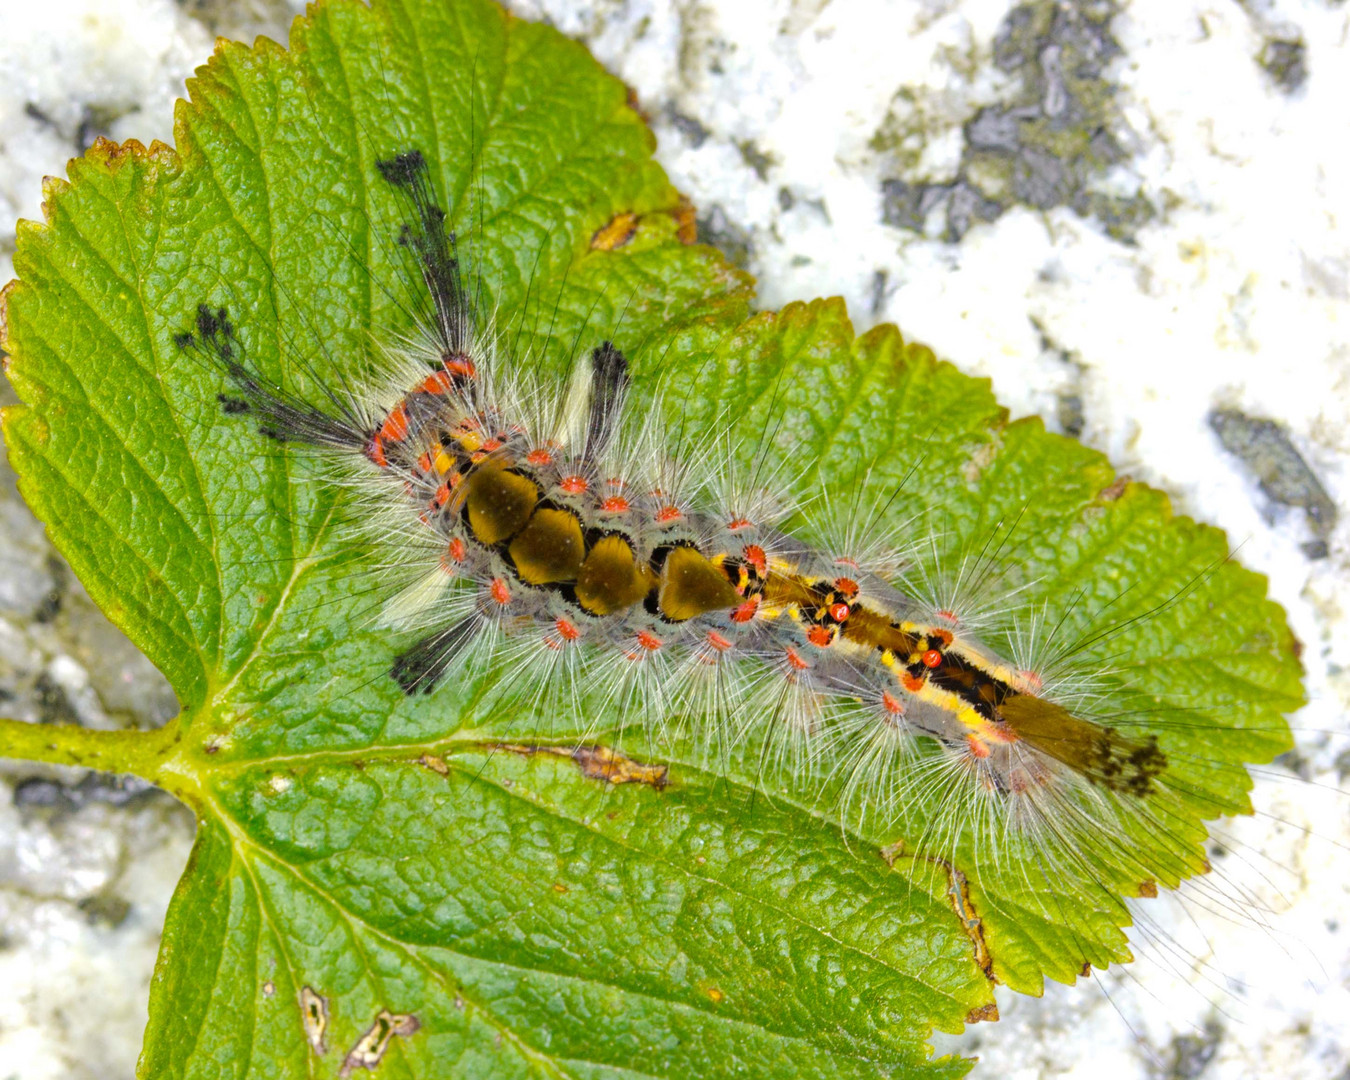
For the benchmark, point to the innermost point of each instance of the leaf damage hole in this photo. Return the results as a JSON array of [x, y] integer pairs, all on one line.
[[314, 1016], [370, 1048], [600, 763], [958, 895]]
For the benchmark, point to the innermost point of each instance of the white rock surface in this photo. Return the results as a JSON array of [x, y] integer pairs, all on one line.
[[1235, 292]]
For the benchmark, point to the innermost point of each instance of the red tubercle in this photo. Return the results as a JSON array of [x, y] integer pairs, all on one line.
[[453, 555], [977, 746], [912, 683], [442, 495], [649, 641], [820, 637], [746, 611], [846, 587], [717, 641], [892, 704], [950, 616], [737, 524], [539, 458], [499, 591], [615, 504], [795, 661], [573, 485], [839, 612], [931, 658], [754, 555], [566, 630], [1031, 679], [666, 514], [942, 637]]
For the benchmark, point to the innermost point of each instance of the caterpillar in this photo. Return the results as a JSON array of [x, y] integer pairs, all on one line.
[[536, 525]]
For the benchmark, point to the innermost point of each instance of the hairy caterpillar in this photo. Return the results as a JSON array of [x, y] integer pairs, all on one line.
[[542, 531]]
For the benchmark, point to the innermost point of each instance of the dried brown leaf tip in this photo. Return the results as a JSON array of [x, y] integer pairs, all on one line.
[[616, 232], [370, 1048], [314, 1015]]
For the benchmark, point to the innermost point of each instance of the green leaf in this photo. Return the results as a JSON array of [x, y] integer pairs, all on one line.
[[446, 879]]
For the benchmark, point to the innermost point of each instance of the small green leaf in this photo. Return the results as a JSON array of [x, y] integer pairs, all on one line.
[[434, 882]]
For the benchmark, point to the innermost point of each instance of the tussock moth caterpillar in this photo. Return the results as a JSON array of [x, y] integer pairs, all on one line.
[[384, 417]]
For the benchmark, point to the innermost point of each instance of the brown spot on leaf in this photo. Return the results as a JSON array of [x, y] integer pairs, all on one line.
[[616, 232], [559, 887], [600, 763], [314, 1015], [269, 988], [435, 764], [370, 1048], [715, 995], [686, 222], [1148, 888], [1115, 489], [984, 1012]]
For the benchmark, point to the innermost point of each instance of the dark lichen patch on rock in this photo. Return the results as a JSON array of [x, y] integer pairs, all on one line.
[[1285, 477], [717, 229], [1285, 60], [1047, 143]]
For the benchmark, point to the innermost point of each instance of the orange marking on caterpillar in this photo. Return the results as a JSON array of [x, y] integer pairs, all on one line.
[[717, 641], [912, 683], [395, 427], [460, 366], [668, 514], [820, 637], [839, 612], [649, 641], [375, 451], [500, 592], [950, 616], [615, 504], [795, 661], [436, 383], [942, 637], [846, 587], [1031, 679], [754, 555], [539, 458], [424, 461], [442, 495], [574, 485], [737, 524], [977, 746], [746, 611], [494, 443], [892, 704]]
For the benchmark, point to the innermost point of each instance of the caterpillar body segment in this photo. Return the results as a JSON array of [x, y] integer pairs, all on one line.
[[529, 518]]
